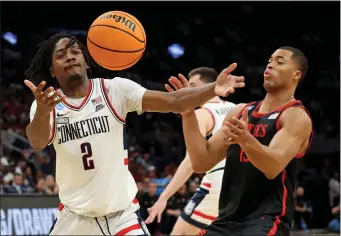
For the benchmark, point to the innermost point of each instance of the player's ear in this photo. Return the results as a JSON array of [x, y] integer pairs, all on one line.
[[297, 75], [53, 75]]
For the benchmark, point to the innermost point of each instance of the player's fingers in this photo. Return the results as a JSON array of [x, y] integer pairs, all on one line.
[[231, 68], [48, 91], [178, 82], [228, 91], [53, 98], [40, 87], [169, 88], [232, 127], [239, 123], [184, 80], [239, 85], [30, 85], [60, 99], [173, 83], [240, 79], [151, 217]]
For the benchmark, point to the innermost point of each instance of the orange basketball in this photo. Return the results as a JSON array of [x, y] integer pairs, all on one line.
[[116, 40]]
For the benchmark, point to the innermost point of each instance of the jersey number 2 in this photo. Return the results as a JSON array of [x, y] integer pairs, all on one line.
[[88, 162]]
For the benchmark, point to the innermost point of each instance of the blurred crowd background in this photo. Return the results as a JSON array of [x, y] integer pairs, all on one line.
[[181, 37]]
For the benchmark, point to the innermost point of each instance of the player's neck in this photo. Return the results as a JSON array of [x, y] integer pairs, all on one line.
[[273, 101], [79, 89]]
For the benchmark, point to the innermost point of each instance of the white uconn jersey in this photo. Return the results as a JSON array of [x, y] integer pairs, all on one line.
[[218, 111], [91, 158]]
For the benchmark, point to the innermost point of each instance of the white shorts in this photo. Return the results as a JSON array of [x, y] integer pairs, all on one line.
[[127, 222], [202, 209]]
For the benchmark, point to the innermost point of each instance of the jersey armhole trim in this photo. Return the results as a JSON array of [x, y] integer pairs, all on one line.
[[278, 127], [110, 106], [212, 128], [241, 111], [53, 128]]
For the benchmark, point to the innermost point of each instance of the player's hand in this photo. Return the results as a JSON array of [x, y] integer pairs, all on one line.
[[236, 130], [156, 210], [178, 84], [46, 102], [227, 83]]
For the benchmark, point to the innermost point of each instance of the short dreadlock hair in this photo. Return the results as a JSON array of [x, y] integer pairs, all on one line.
[[39, 69]]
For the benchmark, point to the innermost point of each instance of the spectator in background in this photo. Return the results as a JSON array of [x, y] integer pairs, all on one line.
[[140, 189], [18, 186], [146, 201], [29, 179], [40, 186], [174, 208], [303, 210], [161, 182], [193, 185], [51, 186], [334, 187], [334, 224]]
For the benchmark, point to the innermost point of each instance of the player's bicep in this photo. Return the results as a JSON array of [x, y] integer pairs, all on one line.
[[294, 135]]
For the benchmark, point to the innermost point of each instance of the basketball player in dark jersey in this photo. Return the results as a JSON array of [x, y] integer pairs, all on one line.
[[265, 142]]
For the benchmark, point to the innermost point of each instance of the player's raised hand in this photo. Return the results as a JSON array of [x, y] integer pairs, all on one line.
[[156, 210], [227, 83], [236, 130], [177, 83], [46, 100]]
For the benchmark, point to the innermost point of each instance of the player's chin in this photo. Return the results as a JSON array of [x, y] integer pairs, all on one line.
[[269, 85], [75, 77]]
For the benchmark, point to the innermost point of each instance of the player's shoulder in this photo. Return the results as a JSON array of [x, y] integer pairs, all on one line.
[[296, 114]]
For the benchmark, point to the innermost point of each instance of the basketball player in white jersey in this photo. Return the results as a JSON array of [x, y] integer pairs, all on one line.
[[202, 209], [84, 120]]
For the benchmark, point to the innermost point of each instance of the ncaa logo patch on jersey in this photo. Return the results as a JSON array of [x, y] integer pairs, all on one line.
[[59, 106]]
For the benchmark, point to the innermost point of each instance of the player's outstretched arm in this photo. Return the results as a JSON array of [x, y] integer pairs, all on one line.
[[39, 129], [289, 141], [205, 154], [189, 98]]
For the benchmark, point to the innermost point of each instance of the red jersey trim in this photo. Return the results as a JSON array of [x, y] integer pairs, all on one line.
[[110, 106], [259, 114], [85, 100], [53, 128]]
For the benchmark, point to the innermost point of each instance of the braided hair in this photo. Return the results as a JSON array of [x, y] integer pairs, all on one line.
[[39, 69]]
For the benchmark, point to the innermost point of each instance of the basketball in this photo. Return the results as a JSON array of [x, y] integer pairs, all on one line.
[[116, 40]]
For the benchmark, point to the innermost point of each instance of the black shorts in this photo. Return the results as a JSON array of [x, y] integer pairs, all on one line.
[[263, 226]]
